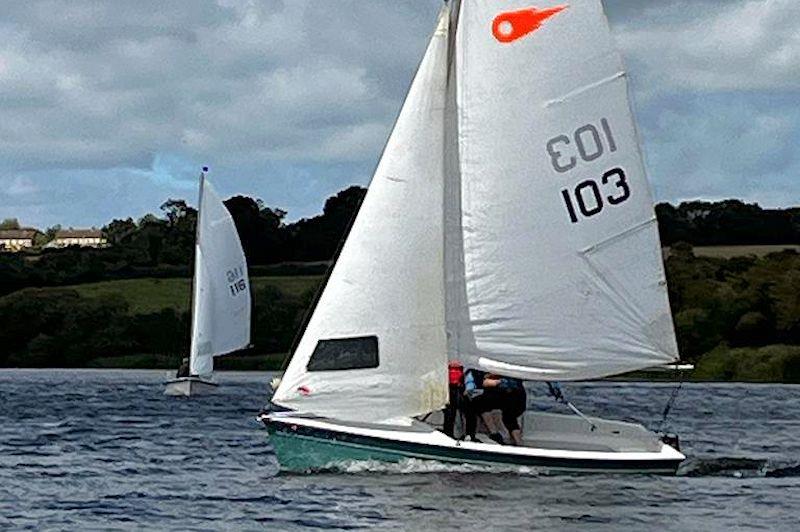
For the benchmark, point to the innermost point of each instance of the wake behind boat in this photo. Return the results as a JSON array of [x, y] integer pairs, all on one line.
[[220, 296], [509, 226]]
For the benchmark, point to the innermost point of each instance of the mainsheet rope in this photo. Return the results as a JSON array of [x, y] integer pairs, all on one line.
[[671, 401], [558, 395]]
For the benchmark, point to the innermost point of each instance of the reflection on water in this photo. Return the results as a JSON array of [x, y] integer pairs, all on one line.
[[100, 449]]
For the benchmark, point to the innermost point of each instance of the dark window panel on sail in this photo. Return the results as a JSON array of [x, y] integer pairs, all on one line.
[[345, 353]]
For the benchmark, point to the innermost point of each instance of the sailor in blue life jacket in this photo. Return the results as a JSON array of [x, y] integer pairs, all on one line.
[[485, 392]]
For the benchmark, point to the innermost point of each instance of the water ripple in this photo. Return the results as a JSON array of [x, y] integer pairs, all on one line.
[[97, 450]]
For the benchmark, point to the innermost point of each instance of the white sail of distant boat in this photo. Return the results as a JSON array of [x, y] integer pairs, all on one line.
[[220, 293], [509, 225]]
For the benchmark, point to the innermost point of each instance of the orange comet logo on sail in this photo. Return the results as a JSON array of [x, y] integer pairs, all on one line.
[[512, 25]]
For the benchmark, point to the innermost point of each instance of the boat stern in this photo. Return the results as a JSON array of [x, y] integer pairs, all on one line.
[[189, 386]]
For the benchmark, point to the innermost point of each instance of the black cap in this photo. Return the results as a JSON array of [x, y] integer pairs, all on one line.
[[205, 168]]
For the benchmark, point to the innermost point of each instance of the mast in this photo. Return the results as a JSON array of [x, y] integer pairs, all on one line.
[[193, 296]]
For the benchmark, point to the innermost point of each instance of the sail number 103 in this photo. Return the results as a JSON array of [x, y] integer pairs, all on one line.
[[588, 143], [589, 197]]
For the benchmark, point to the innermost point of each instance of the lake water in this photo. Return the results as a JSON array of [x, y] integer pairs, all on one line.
[[82, 450]]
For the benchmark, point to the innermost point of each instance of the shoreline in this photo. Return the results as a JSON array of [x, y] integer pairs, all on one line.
[[637, 379]]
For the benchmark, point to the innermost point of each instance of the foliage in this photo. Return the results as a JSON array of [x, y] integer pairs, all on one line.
[[774, 363], [57, 327], [261, 230], [148, 295], [319, 238], [164, 246], [743, 301], [128, 303], [9, 223], [137, 323], [728, 222], [41, 239], [268, 362]]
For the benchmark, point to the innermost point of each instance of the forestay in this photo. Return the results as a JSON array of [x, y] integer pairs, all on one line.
[[563, 275], [375, 348], [221, 294]]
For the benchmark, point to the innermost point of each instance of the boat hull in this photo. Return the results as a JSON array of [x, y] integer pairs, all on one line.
[[304, 445], [189, 386], [302, 453]]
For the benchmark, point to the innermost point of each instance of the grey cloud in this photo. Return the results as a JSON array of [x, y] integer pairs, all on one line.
[[295, 98], [98, 85], [723, 46], [644, 12], [723, 145]]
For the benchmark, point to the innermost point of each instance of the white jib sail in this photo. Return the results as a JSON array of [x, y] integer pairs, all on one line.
[[561, 258], [221, 296], [375, 348]]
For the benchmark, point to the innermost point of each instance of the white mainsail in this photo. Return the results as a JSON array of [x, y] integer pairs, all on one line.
[[562, 270], [221, 291], [381, 313]]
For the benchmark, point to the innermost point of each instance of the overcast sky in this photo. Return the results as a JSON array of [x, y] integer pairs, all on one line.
[[109, 108]]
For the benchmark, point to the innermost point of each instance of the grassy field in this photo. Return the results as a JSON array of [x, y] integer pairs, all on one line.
[[151, 295], [146, 295], [270, 362], [728, 252]]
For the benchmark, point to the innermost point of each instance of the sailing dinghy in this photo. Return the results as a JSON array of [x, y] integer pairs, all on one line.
[[220, 294], [509, 225]]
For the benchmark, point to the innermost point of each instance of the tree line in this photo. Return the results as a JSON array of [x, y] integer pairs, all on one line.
[[163, 246], [727, 223], [718, 305], [725, 309]]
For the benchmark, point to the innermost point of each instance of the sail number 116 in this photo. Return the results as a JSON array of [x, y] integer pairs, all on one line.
[[588, 143], [236, 281]]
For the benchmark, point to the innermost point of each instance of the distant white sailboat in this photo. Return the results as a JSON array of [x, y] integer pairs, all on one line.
[[509, 225], [220, 294]]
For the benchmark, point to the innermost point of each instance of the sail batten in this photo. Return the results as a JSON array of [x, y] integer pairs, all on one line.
[[576, 92]]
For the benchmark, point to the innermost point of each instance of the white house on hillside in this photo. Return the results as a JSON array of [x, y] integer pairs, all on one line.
[[17, 239], [78, 237]]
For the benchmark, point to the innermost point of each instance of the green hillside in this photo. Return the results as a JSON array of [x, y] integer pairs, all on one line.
[[736, 313], [140, 323], [150, 295]]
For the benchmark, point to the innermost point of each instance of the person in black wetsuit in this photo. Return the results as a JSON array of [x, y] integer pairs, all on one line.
[[476, 402], [183, 370], [485, 392]]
